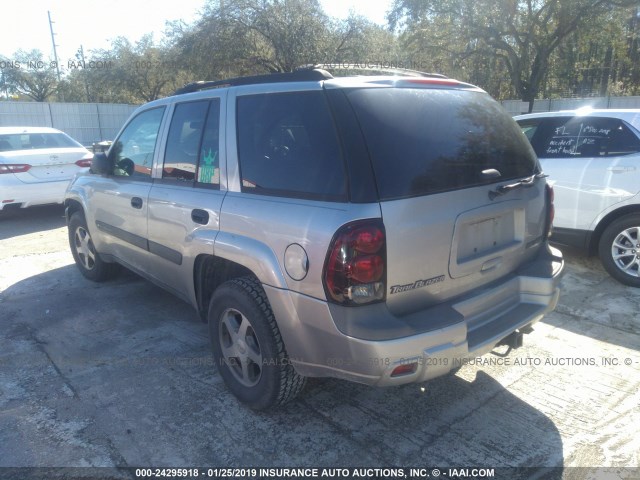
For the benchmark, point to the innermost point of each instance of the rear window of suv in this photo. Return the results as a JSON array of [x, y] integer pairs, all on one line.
[[425, 141]]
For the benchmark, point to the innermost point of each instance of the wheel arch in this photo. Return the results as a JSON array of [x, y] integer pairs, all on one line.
[[209, 272], [72, 206], [607, 220], [234, 256]]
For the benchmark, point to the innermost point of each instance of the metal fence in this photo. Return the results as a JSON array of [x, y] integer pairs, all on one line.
[[516, 107], [85, 122]]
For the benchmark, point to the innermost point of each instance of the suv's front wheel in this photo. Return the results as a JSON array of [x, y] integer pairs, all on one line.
[[248, 348], [619, 250], [84, 252]]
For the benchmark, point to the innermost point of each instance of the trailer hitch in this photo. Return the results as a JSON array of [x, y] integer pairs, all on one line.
[[513, 341]]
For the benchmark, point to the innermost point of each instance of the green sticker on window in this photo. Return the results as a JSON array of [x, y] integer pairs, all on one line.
[[208, 166]]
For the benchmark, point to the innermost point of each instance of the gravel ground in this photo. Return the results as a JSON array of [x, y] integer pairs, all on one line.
[[119, 374]]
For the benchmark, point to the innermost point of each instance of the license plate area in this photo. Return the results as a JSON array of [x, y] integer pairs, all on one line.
[[50, 172], [484, 237]]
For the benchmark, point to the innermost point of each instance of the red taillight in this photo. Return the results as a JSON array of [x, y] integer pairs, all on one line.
[[405, 369], [14, 167], [367, 240], [366, 269], [85, 162], [551, 211], [354, 272]]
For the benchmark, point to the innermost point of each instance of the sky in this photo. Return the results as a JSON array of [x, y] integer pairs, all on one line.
[[92, 23]]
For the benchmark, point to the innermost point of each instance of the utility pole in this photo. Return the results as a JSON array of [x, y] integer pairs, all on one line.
[[80, 56], [55, 52]]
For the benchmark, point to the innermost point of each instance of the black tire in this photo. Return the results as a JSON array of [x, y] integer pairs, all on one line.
[[247, 346], [84, 253], [619, 249]]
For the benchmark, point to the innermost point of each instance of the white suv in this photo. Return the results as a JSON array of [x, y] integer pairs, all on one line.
[[593, 160]]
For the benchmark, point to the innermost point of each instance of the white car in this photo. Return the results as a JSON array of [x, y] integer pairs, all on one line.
[[592, 158], [37, 164]]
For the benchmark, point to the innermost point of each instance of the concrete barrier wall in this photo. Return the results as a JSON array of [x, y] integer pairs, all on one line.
[[85, 122]]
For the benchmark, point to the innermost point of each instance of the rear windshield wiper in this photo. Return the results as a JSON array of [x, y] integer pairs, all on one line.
[[525, 182]]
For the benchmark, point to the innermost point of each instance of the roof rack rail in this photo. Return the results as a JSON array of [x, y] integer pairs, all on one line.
[[302, 75], [369, 68]]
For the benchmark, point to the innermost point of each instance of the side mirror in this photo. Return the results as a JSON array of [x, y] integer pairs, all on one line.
[[101, 165]]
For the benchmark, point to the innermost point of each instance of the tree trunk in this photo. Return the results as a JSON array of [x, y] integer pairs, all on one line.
[[606, 71]]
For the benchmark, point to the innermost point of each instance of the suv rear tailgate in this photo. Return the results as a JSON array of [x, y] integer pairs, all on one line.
[[440, 246], [437, 153]]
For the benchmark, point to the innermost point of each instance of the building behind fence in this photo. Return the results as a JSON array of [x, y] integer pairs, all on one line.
[[93, 122], [86, 122]]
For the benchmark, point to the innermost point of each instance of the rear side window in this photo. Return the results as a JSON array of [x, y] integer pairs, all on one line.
[[183, 143], [209, 162], [287, 146], [193, 143], [424, 141], [580, 136]]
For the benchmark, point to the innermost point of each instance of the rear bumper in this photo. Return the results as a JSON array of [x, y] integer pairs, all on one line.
[[15, 192], [475, 325], [580, 239]]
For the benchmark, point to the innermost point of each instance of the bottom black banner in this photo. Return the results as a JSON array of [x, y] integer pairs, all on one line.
[[283, 473]]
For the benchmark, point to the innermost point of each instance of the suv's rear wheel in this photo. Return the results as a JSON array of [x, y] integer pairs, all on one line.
[[84, 252], [247, 346], [619, 250]]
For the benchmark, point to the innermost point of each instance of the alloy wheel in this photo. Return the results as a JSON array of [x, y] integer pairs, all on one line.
[[625, 251], [240, 347], [84, 248]]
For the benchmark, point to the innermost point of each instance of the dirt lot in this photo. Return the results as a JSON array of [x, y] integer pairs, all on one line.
[[119, 374]]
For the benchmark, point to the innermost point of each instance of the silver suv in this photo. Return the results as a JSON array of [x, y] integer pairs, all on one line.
[[376, 229]]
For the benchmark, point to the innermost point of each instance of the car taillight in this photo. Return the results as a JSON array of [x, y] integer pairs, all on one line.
[[551, 211], [355, 268], [85, 161], [14, 167]]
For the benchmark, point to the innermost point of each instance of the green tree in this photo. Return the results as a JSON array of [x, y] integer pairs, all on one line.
[[358, 40], [252, 36], [31, 75], [133, 73], [243, 37], [626, 75], [522, 34], [597, 59]]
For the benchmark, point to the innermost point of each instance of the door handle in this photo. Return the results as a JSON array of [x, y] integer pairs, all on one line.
[[200, 216], [490, 264], [621, 169], [136, 202]]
